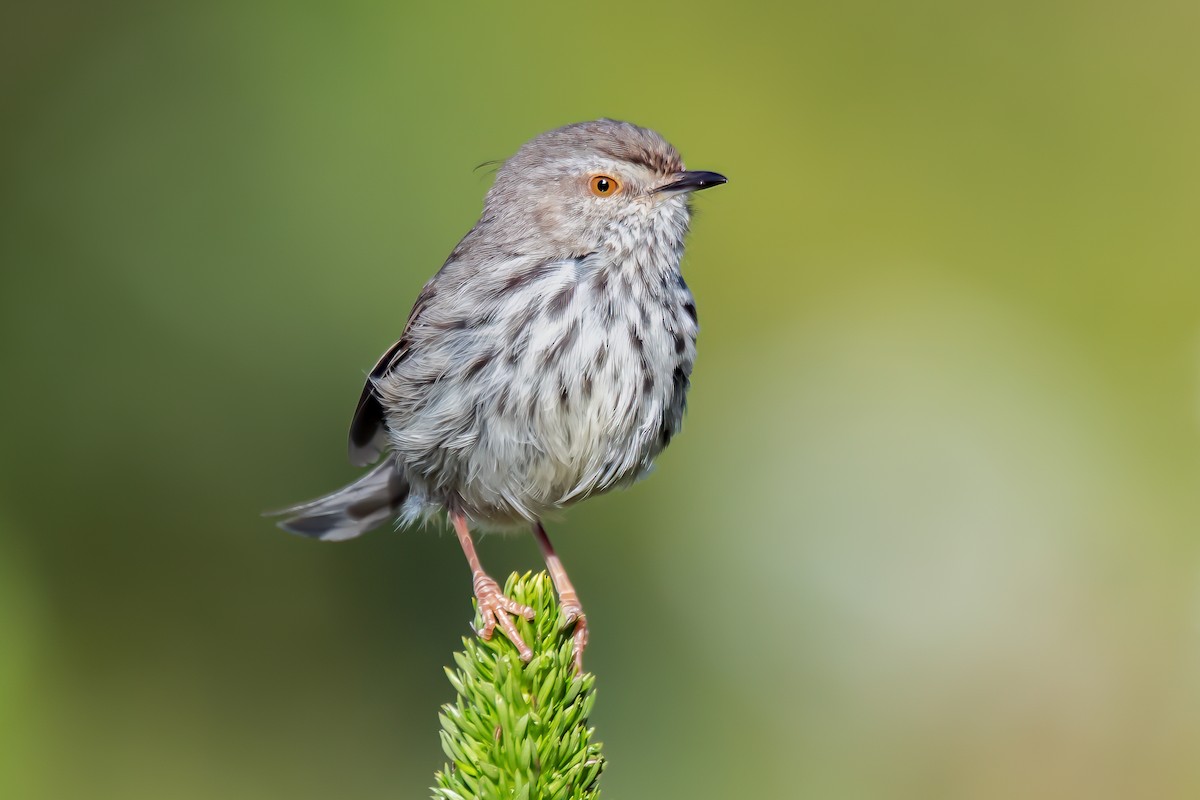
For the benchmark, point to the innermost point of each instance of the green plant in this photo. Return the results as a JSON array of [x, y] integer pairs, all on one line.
[[520, 730]]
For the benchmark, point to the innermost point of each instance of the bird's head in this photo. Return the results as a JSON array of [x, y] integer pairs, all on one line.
[[595, 187]]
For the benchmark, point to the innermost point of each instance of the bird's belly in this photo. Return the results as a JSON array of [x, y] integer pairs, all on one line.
[[552, 403], [589, 418]]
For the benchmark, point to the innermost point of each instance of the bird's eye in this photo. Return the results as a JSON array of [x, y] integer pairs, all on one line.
[[604, 185]]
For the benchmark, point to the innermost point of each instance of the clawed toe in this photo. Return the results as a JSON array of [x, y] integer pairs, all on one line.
[[495, 608]]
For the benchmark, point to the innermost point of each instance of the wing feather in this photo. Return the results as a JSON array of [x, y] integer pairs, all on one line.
[[368, 428]]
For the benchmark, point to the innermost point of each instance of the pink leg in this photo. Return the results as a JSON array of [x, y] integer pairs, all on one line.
[[494, 607], [566, 593]]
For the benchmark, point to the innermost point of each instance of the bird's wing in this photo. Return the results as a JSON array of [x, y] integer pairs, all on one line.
[[445, 302], [367, 429]]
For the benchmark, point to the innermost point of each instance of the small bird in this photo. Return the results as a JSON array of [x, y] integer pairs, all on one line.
[[547, 361]]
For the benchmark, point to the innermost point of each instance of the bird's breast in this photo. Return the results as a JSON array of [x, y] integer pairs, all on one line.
[[574, 381], [606, 371]]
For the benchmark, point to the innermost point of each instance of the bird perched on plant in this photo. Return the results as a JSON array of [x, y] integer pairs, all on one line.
[[547, 361]]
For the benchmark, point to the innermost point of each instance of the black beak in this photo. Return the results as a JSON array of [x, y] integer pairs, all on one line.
[[694, 181]]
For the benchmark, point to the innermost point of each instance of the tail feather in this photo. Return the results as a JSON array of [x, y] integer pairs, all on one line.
[[352, 510]]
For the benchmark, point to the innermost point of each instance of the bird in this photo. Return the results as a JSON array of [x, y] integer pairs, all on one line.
[[546, 362]]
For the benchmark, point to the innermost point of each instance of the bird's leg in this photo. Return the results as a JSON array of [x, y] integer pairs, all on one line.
[[494, 607], [566, 593]]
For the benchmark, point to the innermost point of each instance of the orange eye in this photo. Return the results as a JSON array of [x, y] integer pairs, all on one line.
[[604, 185]]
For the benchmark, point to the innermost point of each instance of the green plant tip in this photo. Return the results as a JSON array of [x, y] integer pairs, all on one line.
[[518, 730]]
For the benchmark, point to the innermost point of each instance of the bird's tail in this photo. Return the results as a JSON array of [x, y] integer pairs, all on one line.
[[352, 510]]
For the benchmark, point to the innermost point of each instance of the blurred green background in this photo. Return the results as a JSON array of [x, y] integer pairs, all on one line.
[[931, 528]]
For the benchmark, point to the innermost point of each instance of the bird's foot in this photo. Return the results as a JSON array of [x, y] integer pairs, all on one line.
[[575, 618], [495, 608]]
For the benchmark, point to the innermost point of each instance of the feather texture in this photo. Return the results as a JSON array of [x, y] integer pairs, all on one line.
[[549, 359]]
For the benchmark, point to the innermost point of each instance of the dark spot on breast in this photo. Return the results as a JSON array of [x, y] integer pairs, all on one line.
[[479, 364], [517, 348], [518, 333], [457, 324], [645, 312], [559, 349], [600, 280], [523, 320], [689, 308], [601, 357], [680, 343], [502, 401], [520, 280], [647, 383], [635, 338], [558, 304], [587, 386], [516, 281]]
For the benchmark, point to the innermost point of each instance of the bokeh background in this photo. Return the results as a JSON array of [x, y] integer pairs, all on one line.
[[931, 530]]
